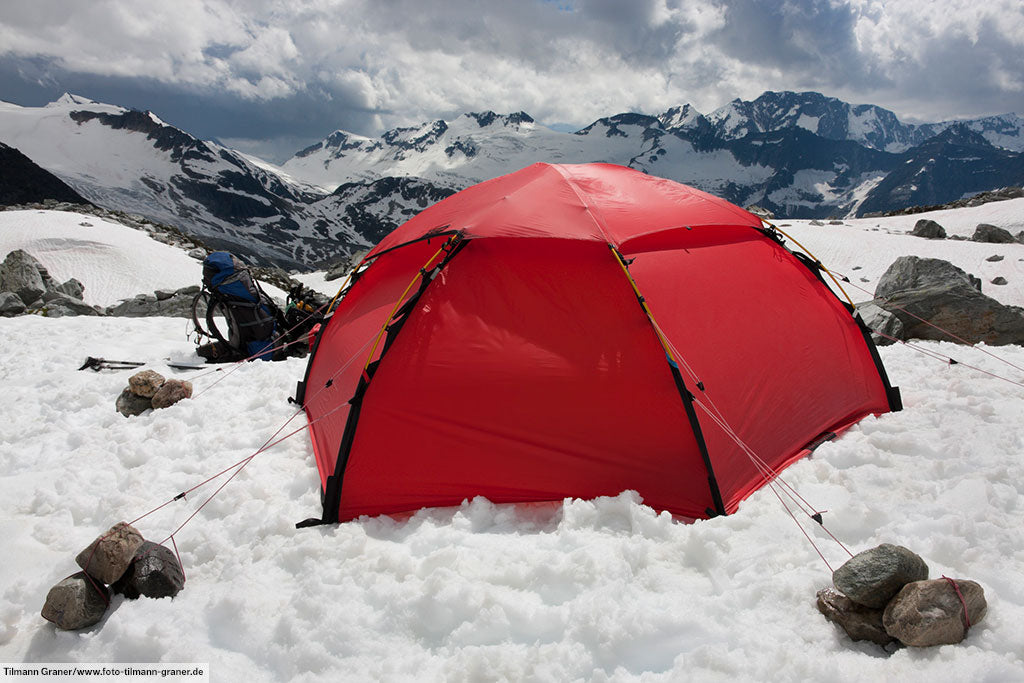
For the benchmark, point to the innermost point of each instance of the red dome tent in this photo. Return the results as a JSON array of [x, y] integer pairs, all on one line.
[[576, 331]]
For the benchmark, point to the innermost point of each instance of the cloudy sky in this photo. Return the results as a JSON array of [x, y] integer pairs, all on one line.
[[271, 76]]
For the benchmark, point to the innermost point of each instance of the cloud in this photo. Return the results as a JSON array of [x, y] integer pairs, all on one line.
[[364, 64]]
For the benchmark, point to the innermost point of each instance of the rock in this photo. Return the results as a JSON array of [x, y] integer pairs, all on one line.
[[859, 622], [154, 573], [999, 280], [145, 383], [76, 602], [1020, 236], [885, 327], [990, 233], [60, 305], [926, 613], [20, 273], [73, 288], [172, 391], [163, 294], [947, 297], [995, 258], [198, 253], [11, 304], [836, 223], [816, 222], [760, 211], [108, 556], [928, 229], [178, 305], [129, 404], [871, 578]]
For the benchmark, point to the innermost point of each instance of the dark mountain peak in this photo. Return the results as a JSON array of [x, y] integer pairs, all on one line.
[[959, 134], [612, 125], [486, 118], [24, 182]]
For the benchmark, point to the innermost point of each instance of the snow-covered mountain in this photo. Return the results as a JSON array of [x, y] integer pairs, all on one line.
[[132, 161], [865, 124], [797, 154]]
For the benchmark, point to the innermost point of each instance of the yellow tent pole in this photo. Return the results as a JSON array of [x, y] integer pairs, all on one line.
[[808, 252]]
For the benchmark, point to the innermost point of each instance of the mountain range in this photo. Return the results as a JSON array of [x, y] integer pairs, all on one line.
[[799, 155]]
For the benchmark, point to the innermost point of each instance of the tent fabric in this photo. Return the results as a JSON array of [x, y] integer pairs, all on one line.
[[519, 363]]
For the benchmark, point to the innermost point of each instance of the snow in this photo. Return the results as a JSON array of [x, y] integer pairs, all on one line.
[[113, 261], [582, 590]]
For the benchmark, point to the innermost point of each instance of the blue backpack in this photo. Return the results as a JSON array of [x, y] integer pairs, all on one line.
[[251, 316]]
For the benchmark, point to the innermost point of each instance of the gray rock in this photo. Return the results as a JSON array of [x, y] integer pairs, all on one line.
[[885, 326], [836, 223], [108, 556], [11, 304], [60, 305], [21, 273], [163, 294], [990, 233], [816, 222], [73, 288], [871, 578], [76, 602], [129, 404], [154, 573], [198, 253], [143, 306], [936, 291], [928, 229], [1020, 237], [995, 258], [172, 391], [999, 280], [859, 622], [145, 383], [926, 613]]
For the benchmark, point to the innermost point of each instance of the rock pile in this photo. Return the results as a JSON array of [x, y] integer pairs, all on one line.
[[914, 290], [884, 595], [26, 286], [122, 559], [149, 389]]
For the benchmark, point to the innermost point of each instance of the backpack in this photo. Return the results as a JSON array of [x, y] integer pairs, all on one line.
[[230, 291]]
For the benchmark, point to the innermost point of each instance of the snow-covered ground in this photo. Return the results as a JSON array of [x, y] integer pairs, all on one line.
[[598, 590]]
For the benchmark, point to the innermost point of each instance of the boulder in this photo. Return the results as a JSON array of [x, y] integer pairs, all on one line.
[[21, 273], [995, 258], [947, 297], [11, 304], [129, 404], [76, 602], [928, 229], [1000, 280], [73, 288], [172, 391], [990, 233], [154, 573], [177, 305], [926, 613], [885, 326], [57, 305], [107, 558], [145, 383], [859, 622], [871, 578]]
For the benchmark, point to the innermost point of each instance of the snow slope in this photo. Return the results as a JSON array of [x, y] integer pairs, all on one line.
[[113, 261], [601, 590]]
